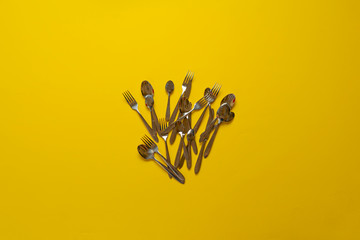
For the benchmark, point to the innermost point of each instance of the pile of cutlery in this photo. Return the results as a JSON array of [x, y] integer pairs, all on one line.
[[179, 122]]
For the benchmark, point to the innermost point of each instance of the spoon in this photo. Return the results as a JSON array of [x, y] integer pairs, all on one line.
[[199, 160], [148, 154], [222, 115], [229, 99], [148, 92], [169, 87], [146, 88]]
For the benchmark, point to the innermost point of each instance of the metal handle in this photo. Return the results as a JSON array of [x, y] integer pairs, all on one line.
[[169, 172], [194, 146], [173, 115], [173, 169], [167, 116], [208, 130], [197, 125], [200, 157], [208, 147], [178, 154], [150, 130], [167, 152], [187, 153]]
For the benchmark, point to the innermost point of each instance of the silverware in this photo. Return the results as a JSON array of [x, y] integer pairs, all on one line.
[[187, 81], [212, 93], [146, 153], [169, 87], [148, 92], [184, 106], [133, 104], [186, 154], [198, 105], [181, 145], [151, 145], [224, 115], [163, 134], [229, 99], [199, 159]]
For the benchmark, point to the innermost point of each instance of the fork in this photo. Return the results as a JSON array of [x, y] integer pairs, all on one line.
[[163, 134], [151, 145], [185, 85], [181, 146], [214, 91], [133, 104], [198, 105]]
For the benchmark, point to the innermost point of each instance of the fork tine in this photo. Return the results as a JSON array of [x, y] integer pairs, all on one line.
[[212, 89], [131, 97], [192, 77], [149, 139], [217, 90], [186, 76], [145, 142], [125, 97]]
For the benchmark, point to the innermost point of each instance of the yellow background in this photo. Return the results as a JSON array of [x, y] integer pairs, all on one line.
[[287, 167]]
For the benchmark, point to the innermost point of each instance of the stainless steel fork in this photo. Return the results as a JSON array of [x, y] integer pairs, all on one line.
[[133, 104], [150, 144], [198, 105], [213, 93], [186, 83], [164, 134]]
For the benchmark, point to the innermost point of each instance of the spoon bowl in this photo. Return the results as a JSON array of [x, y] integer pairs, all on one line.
[[146, 88], [229, 99], [169, 87]]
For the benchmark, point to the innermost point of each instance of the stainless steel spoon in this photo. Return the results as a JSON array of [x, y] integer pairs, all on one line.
[[148, 92], [201, 153], [169, 87], [222, 116], [148, 154]]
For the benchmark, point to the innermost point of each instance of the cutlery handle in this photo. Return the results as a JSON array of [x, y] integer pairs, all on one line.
[[197, 125], [194, 146], [167, 116], [173, 115], [150, 130], [208, 147], [156, 120], [185, 114], [182, 160], [178, 154], [200, 157], [173, 136], [168, 171], [172, 168], [167, 152], [187, 153]]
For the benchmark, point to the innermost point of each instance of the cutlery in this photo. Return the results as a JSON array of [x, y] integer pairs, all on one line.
[[163, 134], [184, 106], [154, 148], [147, 154], [228, 99], [187, 82], [169, 87], [198, 105], [148, 92], [133, 104], [181, 145], [212, 93], [226, 116], [199, 159]]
